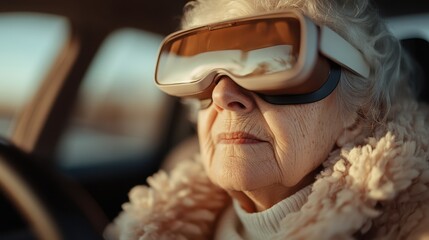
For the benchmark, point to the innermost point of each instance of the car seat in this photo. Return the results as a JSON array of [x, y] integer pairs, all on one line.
[[413, 31], [418, 48]]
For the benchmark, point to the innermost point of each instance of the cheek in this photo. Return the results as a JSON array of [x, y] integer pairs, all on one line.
[[206, 120], [304, 136], [289, 148]]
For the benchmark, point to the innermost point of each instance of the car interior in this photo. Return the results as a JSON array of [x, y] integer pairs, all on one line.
[[77, 135]]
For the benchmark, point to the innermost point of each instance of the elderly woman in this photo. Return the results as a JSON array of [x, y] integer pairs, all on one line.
[[308, 128]]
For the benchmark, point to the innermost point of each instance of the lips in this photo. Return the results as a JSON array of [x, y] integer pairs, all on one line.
[[237, 138]]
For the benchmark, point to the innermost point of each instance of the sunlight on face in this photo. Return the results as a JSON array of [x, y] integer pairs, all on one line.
[[248, 144]]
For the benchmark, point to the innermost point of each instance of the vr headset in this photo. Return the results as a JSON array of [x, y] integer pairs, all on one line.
[[271, 54]]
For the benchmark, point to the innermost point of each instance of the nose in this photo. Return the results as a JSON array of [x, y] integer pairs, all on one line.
[[227, 95]]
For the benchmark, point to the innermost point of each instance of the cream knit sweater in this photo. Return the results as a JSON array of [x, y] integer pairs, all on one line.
[[235, 223], [375, 187]]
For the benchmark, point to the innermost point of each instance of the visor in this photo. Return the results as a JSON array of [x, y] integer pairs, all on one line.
[[272, 54]]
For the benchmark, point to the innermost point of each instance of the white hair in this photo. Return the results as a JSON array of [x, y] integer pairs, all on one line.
[[358, 22]]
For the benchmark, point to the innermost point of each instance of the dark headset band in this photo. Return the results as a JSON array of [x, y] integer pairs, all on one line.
[[325, 90]]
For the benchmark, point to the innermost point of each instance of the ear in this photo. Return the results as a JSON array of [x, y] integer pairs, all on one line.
[[351, 130]]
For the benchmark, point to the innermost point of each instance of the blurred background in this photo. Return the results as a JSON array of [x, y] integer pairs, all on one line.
[[77, 93], [77, 90], [118, 110]]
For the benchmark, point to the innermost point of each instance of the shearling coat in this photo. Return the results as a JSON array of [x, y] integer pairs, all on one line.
[[374, 187]]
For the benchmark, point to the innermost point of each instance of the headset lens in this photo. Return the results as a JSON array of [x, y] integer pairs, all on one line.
[[247, 48]]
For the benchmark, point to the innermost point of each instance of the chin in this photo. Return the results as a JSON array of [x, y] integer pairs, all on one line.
[[234, 178]]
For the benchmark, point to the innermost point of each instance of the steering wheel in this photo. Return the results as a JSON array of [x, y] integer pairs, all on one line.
[[55, 207]]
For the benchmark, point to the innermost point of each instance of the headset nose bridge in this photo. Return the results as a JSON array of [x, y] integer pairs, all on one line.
[[221, 74], [228, 95]]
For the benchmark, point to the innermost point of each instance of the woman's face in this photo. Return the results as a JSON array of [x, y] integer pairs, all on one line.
[[248, 144]]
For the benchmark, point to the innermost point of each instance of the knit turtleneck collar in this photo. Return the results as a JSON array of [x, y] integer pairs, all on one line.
[[259, 225]]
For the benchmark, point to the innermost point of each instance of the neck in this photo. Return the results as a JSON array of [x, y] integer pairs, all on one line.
[[264, 198]]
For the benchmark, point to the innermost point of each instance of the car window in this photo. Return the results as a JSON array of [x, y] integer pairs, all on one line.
[[29, 43], [119, 111]]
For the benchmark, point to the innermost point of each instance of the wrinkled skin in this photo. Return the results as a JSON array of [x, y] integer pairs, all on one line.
[[262, 153]]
